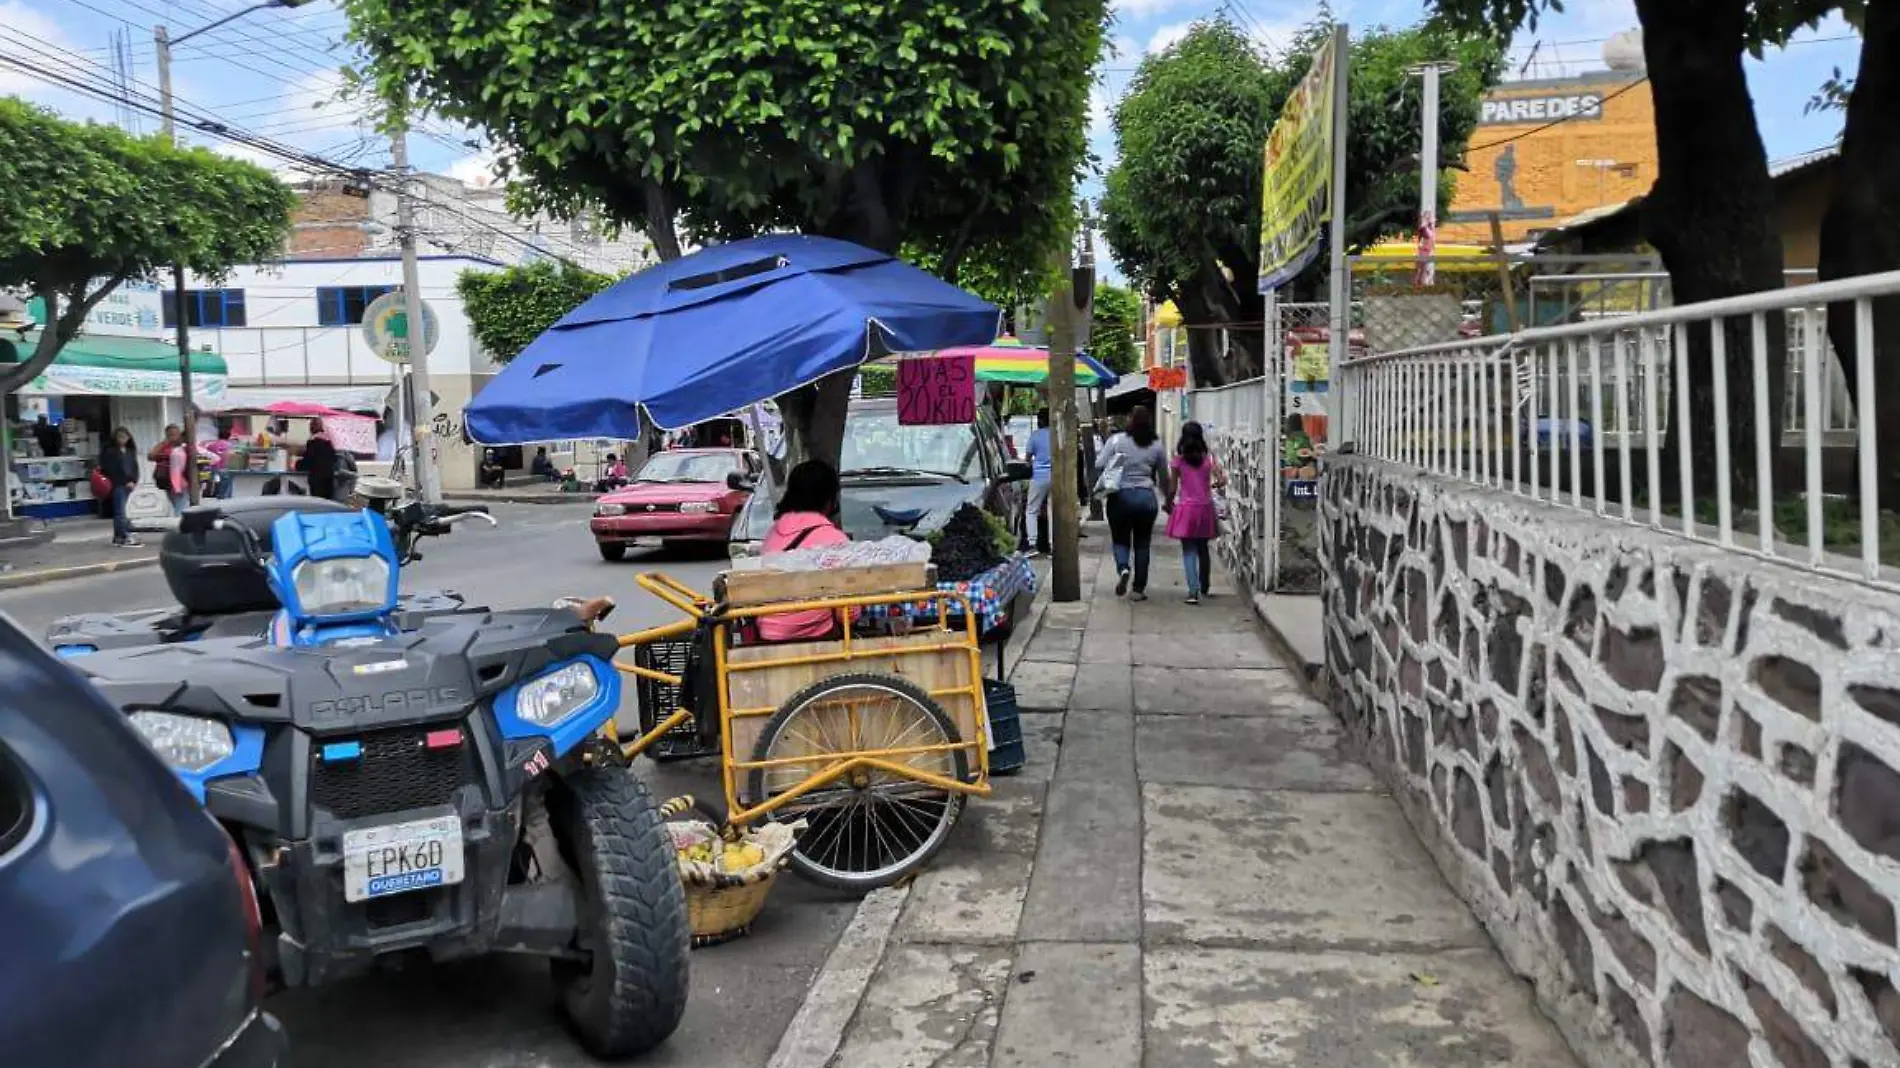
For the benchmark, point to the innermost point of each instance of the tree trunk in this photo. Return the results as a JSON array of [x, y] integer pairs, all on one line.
[[1711, 217], [1861, 232], [1204, 361], [662, 224], [59, 327]]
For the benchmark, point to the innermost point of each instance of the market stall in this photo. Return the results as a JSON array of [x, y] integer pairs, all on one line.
[[97, 383], [255, 455]]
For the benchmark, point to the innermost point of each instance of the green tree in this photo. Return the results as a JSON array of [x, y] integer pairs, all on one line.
[[1182, 207], [950, 126], [509, 308], [87, 207], [1116, 321]]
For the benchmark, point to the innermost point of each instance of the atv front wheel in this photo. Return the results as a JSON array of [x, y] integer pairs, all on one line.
[[631, 993]]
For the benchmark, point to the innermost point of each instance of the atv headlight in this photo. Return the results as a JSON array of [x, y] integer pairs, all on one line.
[[341, 585], [191, 743], [557, 695]]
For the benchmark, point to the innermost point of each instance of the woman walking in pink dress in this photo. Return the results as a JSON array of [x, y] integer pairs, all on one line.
[[1192, 518]]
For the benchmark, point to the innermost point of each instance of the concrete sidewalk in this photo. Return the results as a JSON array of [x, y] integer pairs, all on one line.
[[79, 547], [1191, 872]]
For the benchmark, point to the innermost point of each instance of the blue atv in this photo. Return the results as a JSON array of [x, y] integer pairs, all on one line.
[[224, 591], [431, 787]]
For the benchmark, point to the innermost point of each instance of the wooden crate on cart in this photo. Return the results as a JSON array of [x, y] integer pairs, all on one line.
[[941, 663]]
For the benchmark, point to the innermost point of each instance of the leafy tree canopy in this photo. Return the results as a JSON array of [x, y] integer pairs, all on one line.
[[508, 309], [1768, 23], [1182, 207], [1117, 319], [862, 119], [87, 207], [945, 125]]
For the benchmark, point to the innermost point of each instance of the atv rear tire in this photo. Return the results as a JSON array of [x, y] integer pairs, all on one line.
[[630, 996]]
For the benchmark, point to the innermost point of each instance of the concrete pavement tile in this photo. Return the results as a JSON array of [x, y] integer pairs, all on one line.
[[1222, 692], [1057, 645], [1073, 615], [1296, 753], [929, 1007], [973, 891], [1072, 1006], [1107, 687], [1087, 882], [1042, 687], [1260, 1009], [1329, 869], [1202, 649], [1042, 747], [1103, 647], [1097, 746]]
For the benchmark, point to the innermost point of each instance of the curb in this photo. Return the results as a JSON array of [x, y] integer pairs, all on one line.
[[812, 1039], [20, 579], [1311, 674]]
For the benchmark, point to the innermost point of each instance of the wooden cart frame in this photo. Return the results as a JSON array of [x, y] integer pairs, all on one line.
[[751, 681]]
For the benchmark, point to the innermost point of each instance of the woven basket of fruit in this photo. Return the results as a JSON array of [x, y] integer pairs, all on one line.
[[727, 872]]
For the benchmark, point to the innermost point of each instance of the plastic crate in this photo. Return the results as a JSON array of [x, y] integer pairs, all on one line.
[[659, 700], [1006, 728]]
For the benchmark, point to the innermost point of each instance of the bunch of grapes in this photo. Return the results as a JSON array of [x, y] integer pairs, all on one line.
[[965, 547]]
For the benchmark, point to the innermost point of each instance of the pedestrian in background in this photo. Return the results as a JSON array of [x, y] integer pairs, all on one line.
[[168, 467], [1041, 468], [1192, 519], [1134, 467], [119, 462], [319, 462]]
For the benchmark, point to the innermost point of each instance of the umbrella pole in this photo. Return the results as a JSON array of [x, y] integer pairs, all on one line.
[[765, 452]]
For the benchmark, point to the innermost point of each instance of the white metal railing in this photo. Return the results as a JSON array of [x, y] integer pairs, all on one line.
[[1617, 295], [1521, 412]]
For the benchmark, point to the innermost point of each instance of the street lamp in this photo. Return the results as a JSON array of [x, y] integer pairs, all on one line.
[[165, 42]]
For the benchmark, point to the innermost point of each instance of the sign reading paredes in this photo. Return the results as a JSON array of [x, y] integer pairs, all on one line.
[[1522, 110]]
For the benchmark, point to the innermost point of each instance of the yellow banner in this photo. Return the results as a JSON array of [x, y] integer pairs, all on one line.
[[1296, 198]]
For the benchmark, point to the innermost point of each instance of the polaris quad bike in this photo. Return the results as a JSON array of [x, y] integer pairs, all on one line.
[[222, 589], [431, 788]]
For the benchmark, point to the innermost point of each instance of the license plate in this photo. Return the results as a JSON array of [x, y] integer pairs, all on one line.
[[400, 857]]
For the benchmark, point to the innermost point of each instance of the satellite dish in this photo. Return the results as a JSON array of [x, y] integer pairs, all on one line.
[[1624, 52]]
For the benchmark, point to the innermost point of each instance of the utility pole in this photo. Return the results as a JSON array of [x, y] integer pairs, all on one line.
[[189, 421], [1067, 306], [428, 485], [165, 41], [1427, 247]]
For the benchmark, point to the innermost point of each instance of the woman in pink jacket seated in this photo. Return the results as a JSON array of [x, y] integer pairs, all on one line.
[[806, 520]]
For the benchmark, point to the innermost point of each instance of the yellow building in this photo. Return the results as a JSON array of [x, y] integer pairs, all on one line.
[[1548, 150]]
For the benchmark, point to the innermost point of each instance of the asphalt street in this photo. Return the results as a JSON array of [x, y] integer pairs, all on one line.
[[500, 1012]]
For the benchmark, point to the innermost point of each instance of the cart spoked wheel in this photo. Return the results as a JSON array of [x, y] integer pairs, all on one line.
[[871, 827]]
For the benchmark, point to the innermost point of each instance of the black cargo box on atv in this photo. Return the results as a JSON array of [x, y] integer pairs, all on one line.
[[209, 574]]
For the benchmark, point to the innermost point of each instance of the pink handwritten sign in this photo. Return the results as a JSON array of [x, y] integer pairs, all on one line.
[[352, 434], [936, 390]]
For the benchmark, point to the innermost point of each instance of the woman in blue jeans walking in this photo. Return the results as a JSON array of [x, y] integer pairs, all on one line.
[[1140, 465]]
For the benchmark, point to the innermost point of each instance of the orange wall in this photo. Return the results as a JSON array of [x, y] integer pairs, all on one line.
[[1550, 185]]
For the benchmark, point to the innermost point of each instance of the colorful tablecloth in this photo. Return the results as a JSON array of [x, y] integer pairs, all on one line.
[[990, 593]]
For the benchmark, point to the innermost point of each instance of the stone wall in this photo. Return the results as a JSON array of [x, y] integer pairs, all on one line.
[[1662, 774]]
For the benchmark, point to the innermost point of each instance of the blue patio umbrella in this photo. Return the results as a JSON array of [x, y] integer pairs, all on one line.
[[1105, 378], [718, 330]]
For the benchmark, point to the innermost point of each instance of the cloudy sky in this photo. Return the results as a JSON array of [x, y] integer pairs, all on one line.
[[273, 73]]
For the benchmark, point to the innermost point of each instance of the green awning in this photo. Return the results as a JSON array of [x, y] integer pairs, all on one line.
[[113, 354]]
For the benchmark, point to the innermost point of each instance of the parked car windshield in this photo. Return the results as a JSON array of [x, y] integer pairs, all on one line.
[[875, 443], [689, 467]]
